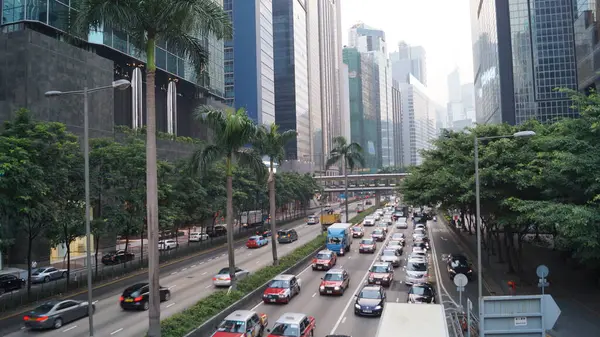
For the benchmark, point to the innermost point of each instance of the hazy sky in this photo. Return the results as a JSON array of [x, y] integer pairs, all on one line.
[[442, 27]]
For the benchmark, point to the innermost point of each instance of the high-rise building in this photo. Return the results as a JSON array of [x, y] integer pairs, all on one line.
[[522, 51], [454, 108], [317, 153], [345, 102], [249, 66], [397, 112], [291, 75], [363, 101], [409, 60], [418, 121], [370, 40], [587, 28]]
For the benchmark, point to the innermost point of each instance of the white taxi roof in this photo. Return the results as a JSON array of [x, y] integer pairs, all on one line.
[[291, 318], [240, 315], [283, 277]]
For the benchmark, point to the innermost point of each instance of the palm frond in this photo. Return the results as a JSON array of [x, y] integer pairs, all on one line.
[[95, 15], [210, 17], [251, 159], [357, 158], [182, 43], [339, 142], [287, 136], [332, 160], [355, 147], [212, 118], [204, 157]]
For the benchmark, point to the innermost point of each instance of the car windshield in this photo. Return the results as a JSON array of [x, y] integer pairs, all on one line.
[[366, 242], [279, 284], [333, 277], [379, 269], [44, 308], [369, 293], [252, 239], [224, 271], [421, 291], [356, 229], [459, 263], [394, 243], [416, 267], [38, 271], [323, 256], [378, 231], [284, 329], [389, 253], [232, 326]]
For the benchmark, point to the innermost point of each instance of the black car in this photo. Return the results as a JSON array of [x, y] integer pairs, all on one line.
[[9, 282], [120, 256], [459, 264], [287, 235], [421, 293], [137, 297], [370, 301], [266, 232]]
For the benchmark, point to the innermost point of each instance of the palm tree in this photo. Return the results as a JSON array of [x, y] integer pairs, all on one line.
[[179, 24], [271, 143], [233, 132], [349, 155]]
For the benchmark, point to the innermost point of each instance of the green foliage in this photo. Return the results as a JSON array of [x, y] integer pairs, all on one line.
[[544, 184], [141, 133], [350, 155]]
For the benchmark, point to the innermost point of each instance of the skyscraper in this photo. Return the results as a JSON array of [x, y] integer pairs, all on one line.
[[291, 75], [249, 67], [397, 112], [522, 51], [369, 40], [409, 60], [317, 152]]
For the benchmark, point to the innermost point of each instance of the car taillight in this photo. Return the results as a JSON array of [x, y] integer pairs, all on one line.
[[228, 277], [26, 318], [214, 278], [41, 319], [138, 299]]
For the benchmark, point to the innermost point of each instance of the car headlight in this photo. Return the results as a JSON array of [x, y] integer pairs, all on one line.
[[282, 295], [378, 307], [322, 287], [336, 288], [314, 264], [357, 306], [386, 278]]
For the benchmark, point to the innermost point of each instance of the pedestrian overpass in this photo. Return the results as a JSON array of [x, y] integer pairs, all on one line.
[[373, 182]]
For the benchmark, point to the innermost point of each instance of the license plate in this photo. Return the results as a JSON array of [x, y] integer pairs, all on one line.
[[377, 282], [319, 267], [273, 300], [368, 311], [329, 291], [129, 300]]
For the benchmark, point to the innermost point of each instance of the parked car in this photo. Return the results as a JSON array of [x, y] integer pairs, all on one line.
[[53, 314], [9, 282], [197, 237], [119, 256], [167, 244], [282, 288], [256, 241], [137, 297], [222, 279], [287, 235], [47, 274]]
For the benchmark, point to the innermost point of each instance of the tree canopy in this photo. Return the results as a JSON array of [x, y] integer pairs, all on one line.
[[544, 184]]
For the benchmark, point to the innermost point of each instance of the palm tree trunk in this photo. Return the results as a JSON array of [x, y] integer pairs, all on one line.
[[346, 187], [229, 221], [272, 214], [152, 193]]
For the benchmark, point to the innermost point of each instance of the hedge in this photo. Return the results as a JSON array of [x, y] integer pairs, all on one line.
[[182, 323]]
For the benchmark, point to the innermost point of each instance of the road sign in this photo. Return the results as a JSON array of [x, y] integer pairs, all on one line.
[[460, 289], [461, 280], [542, 271], [551, 311], [520, 321]]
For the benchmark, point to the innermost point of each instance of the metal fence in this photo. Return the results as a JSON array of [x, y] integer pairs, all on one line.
[[105, 273], [458, 321]]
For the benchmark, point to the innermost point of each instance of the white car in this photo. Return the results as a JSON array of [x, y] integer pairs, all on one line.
[[419, 250], [369, 221], [379, 212], [197, 237], [416, 258], [47, 274], [312, 220], [167, 244], [222, 279]]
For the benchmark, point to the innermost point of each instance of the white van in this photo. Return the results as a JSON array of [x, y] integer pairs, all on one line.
[[197, 237], [312, 220]]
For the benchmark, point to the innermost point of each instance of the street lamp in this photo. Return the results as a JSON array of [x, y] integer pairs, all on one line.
[[476, 140], [118, 84]]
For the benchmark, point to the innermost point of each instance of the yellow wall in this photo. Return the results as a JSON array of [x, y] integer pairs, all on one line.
[[57, 254]]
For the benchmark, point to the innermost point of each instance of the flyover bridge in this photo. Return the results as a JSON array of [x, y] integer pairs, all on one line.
[[376, 182]]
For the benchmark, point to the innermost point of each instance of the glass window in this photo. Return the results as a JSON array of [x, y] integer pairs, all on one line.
[[59, 15]]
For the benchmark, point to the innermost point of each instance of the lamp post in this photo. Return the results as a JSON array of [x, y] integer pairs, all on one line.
[[119, 84], [476, 140]]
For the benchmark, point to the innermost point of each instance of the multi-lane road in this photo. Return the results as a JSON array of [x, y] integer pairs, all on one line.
[[188, 284]]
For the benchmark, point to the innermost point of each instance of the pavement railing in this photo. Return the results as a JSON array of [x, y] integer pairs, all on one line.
[[208, 327], [78, 279]]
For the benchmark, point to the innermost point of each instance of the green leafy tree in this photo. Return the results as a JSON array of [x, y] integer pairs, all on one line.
[[271, 143], [349, 155], [233, 131]]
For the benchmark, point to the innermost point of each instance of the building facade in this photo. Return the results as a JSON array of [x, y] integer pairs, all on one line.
[[523, 51], [291, 75], [345, 102], [418, 121], [249, 63], [409, 60], [587, 36], [397, 125], [317, 152]]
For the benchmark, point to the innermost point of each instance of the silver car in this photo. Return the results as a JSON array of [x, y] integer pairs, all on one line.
[[416, 272], [47, 274], [401, 223], [222, 278], [395, 245], [53, 314], [391, 256]]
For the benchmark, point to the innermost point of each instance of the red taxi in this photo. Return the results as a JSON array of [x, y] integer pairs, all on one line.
[[241, 322], [335, 282], [281, 289], [324, 260], [293, 325], [256, 241], [358, 232], [381, 273]]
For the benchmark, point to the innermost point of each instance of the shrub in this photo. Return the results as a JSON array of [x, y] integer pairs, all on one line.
[[182, 323]]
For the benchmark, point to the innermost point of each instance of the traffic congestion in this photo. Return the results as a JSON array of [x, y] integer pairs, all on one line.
[[122, 313], [346, 287]]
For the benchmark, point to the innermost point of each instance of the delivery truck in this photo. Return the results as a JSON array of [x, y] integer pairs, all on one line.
[[252, 218], [328, 218], [339, 238], [407, 320]]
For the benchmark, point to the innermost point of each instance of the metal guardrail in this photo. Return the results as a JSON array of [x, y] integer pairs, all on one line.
[[458, 322]]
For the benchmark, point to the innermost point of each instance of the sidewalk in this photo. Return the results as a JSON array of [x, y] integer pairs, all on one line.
[[577, 295]]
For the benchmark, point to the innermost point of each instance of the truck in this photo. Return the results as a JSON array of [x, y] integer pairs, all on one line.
[[339, 238], [328, 218], [252, 218], [408, 319]]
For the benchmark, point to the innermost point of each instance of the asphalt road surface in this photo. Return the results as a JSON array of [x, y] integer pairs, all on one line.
[[335, 314], [188, 285]]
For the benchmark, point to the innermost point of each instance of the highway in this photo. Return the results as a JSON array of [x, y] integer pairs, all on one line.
[[335, 315], [188, 285]]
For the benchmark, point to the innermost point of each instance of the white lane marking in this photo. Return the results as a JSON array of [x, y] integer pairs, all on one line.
[[352, 299], [315, 294], [69, 329], [201, 262], [205, 273], [249, 254], [256, 306], [171, 287], [192, 266], [184, 269], [96, 301], [170, 305], [436, 268], [208, 286], [257, 262], [175, 272], [443, 238], [349, 257], [116, 331], [223, 255], [397, 300], [343, 320], [22, 328]]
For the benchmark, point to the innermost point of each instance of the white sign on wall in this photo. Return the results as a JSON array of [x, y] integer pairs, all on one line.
[[520, 321]]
